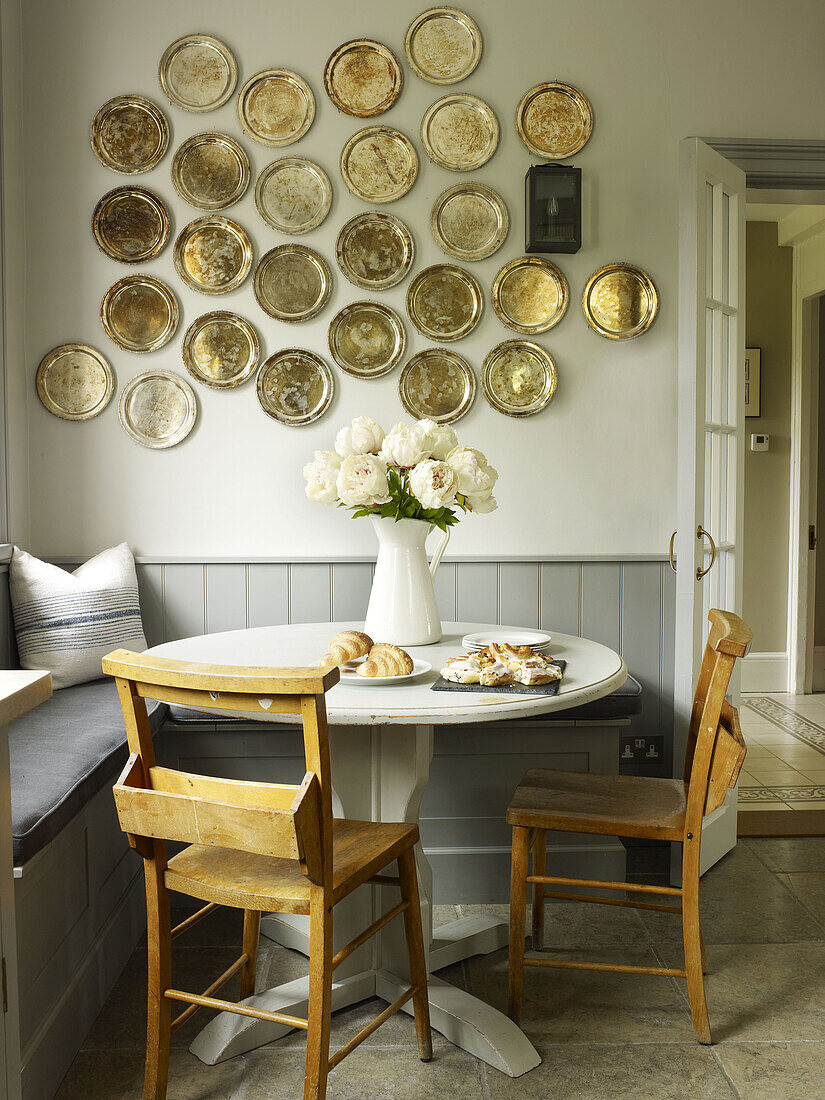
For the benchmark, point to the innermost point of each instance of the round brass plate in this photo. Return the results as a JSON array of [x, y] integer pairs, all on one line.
[[158, 409], [438, 384], [469, 221], [444, 302], [554, 120], [530, 295], [295, 387], [460, 132], [292, 282], [363, 78], [293, 195], [367, 339], [130, 224], [210, 171], [374, 251], [276, 107], [139, 313], [443, 45], [198, 73], [379, 164], [620, 301], [75, 382], [221, 350], [518, 378], [213, 255], [129, 134]]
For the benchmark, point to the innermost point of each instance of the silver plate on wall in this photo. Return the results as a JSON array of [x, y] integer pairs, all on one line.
[[379, 164], [198, 73], [276, 107], [221, 350], [363, 78], [460, 132], [444, 302], [210, 171], [367, 339], [443, 45], [292, 282], [295, 387], [437, 384], [518, 378], [213, 254], [158, 409], [293, 195], [139, 313], [129, 134], [469, 221], [374, 250], [130, 224], [530, 295], [75, 382]]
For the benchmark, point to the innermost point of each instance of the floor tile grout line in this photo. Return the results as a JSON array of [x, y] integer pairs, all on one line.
[[734, 1090]]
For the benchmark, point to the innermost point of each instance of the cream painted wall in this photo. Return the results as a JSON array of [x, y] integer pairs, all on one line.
[[595, 473], [819, 614]]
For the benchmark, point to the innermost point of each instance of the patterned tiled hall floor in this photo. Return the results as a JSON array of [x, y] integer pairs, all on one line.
[[785, 765]]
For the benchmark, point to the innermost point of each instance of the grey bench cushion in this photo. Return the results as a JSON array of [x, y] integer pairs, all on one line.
[[62, 753]]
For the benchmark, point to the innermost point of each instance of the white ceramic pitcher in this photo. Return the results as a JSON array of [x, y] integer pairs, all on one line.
[[402, 607]]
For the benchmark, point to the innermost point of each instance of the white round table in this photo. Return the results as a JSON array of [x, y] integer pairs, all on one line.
[[381, 745]]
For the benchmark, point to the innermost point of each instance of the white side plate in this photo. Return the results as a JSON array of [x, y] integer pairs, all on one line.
[[537, 639], [351, 678]]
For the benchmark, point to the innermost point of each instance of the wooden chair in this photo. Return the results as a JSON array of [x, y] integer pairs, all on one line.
[[633, 806], [259, 847]]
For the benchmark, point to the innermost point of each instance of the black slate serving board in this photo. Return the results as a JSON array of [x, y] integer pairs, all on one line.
[[504, 689]]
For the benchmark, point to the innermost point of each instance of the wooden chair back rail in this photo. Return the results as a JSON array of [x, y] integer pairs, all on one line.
[[256, 703]]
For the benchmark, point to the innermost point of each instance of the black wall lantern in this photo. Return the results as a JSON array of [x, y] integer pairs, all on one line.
[[553, 208]]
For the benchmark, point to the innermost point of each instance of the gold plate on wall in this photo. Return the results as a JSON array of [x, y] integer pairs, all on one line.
[[518, 378], [129, 134], [139, 313], [158, 409], [379, 164], [213, 255], [75, 382], [198, 73], [363, 78], [293, 195], [530, 295], [620, 301], [292, 282], [210, 171], [295, 387], [367, 339], [554, 120], [438, 384], [444, 302], [276, 107], [443, 45], [469, 221], [130, 224], [221, 349], [374, 251], [460, 132]]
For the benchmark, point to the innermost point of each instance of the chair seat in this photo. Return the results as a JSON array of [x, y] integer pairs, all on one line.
[[249, 881], [614, 805]]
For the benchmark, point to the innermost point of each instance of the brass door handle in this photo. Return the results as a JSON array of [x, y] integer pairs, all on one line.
[[701, 533], [670, 552]]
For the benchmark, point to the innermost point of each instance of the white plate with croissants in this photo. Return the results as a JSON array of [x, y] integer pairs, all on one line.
[[366, 663]]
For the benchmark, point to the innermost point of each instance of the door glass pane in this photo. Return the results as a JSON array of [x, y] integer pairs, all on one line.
[[709, 240], [724, 367], [723, 290], [708, 375]]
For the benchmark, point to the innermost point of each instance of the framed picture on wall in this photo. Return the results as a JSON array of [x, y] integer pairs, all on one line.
[[753, 381]]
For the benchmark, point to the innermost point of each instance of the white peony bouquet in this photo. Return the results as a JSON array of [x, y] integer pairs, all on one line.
[[416, 471]]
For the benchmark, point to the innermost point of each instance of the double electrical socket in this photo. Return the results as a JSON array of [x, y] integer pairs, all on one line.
[[638, 750]]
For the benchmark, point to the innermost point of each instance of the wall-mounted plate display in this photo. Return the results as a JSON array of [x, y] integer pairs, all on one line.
[[130, 224], [213, 255], [276, 107], [443, 45], [139, 313], [444, 302], [437, 384], [554, 120], [374, 251], [129, 134], [75, 382], [469, 221], [221, 350], [292, 282], [198, 73], [530, 295], [293, 195], [620, 301], [158, 409], [460, 132], [295, 387], [367, 339], [379, 164], [210, 171], [518, 378], [363, 78]]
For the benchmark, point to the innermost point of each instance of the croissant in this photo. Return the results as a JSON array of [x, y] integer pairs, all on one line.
[[386, 660], [346, 646]]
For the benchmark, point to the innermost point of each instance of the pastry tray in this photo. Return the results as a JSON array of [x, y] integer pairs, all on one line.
[[504, 689]]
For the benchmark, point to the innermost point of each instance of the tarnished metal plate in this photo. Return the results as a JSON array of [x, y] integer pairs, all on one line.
[[518, 378], [460, 132], [210, 171], [379, 164], [130, 224], [367, 339], [363, 78], [295, 387], [213, 255], [444, 302], [443, 45], [75, 382], [276, 107], [293, 195], [438, 384], [198, 73], [292, 282], [530, 295], [554, 120], [129, 134], [620, 301], [469, 221], [158, 409], [221, 349], [374, 251], [139, 313]]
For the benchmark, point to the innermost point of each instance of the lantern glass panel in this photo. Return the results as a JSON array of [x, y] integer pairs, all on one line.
[[553, 201]]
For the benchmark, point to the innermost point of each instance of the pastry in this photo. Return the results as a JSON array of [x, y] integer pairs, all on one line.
[[386, 660], [462, 670], [500, 664], [347, 646]]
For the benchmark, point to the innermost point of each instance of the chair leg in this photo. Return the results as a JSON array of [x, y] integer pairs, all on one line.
[[251, 933], [692, 935], [408, 876], [518, 903], [159, 1007], [539, 868], [705, 969], [320, 996]]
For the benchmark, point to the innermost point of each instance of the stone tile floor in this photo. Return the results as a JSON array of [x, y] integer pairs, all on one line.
[[785, 765], [600, 1036]]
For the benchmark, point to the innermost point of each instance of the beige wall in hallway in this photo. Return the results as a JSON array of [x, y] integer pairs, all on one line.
[[819, 615]]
